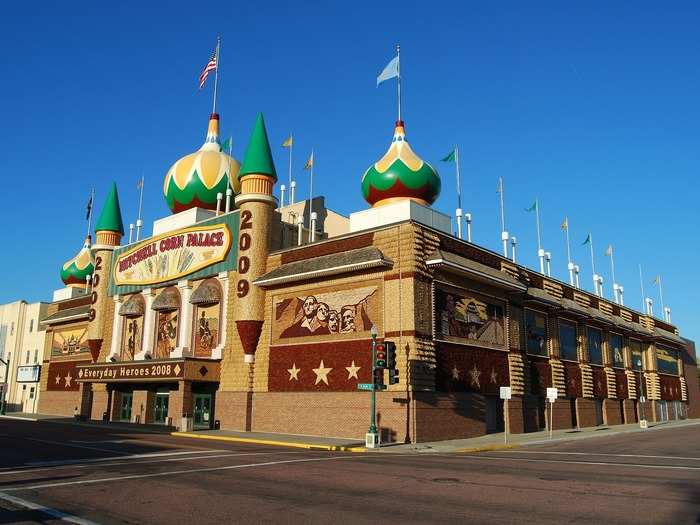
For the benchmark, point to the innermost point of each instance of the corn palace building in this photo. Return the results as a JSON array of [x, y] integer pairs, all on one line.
[[227, 317]]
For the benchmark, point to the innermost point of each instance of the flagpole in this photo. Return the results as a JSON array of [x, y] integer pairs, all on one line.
[[311, 189], [504, 233], [139, 223], [92, 204], [595, 276], [661, 297], [540, 251], [458, 211], [291, 145], [398, 76], [216, 71], [570, 265], [641, 285]]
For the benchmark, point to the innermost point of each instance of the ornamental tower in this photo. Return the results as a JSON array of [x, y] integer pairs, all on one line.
[[256, 205], [75, 271], [197, 178], [109, 230], [400, 174]]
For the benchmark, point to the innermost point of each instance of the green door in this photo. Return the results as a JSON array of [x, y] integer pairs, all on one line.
[[202, 411], [161, 411], [125, 409]]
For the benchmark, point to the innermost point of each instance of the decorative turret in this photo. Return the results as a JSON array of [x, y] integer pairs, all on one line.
[[256, 205], [109, 228], [400, 174], [196, 179], [75, 272]]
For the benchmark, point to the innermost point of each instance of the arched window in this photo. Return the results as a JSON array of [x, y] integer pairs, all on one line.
[[132, 338], [207, 316], [167, 306]]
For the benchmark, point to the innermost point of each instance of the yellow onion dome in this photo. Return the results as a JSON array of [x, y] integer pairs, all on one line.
[[400, 174], [196, 179], [74, 272]]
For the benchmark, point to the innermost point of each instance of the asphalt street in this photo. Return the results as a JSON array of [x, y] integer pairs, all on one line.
[[55, 473]]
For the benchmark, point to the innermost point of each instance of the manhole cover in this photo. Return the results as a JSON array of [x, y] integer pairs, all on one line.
[[445, 480]]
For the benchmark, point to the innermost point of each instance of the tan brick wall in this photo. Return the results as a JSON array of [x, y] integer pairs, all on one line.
[[59, 403]]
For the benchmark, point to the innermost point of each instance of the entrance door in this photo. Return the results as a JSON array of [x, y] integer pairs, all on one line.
[[598, 412], [125, 407], [202, 411], [161, 412]]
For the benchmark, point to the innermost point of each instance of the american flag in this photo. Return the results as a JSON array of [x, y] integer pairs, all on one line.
[[211, 66]]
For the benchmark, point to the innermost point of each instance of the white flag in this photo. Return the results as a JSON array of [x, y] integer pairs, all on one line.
[[390, 71], [609, 250]]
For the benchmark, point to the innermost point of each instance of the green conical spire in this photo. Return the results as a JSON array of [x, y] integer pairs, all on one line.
[[111, 216], [258, 157]]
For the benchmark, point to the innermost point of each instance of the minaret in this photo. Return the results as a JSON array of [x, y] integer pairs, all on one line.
[[256, 204], [108, 233]]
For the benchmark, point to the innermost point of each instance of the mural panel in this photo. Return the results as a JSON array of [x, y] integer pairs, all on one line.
[[63, 376], [206, 332], [69, 342], [166, 337], [326, 314], [132, 340], [471, 369], [469, 318]]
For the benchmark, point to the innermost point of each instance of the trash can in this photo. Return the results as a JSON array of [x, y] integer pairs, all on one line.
[[105, 417], [217, 424]]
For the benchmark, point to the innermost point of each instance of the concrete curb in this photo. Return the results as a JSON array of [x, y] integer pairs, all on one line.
[[487, 448], [256, 441], [19, 418]]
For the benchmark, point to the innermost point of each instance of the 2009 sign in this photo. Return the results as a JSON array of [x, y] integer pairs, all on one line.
[[95, 282], [244, 243]]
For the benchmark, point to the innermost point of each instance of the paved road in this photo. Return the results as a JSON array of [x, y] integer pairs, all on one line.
[[116, 476]]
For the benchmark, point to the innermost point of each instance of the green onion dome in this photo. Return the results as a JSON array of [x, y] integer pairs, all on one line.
[[195, 179], [74, 272], [400, 174]]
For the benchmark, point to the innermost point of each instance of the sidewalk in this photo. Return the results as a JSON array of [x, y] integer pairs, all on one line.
[[284, 440], [478, 444], [498, 442]]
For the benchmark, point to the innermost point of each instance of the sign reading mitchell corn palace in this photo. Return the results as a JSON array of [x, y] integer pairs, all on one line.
[[221, 317]]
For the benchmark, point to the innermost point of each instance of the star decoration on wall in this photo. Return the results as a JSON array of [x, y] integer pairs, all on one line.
[[455, 372], [293, 372], [572, 382], [58, 379], [600, 385], [474, 374], [68, 379], [321, 373], [352, 370], [494, 379]]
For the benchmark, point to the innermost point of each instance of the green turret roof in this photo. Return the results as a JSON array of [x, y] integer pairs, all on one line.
[[258, 157], [111, 217]]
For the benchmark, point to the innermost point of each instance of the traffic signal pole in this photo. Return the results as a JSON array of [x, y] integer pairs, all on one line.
[[373, 403], [372, 437]]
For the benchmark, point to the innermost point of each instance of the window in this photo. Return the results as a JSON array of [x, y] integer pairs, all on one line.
[[667, 360], [26, 361], [595, 351], [36, 355], [637, 357], [536, 332], [31, 393], [567, 341], [12, 328], [31, 325], [615, 346]]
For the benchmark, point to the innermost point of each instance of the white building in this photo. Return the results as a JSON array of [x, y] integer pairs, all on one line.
[[21, 348]]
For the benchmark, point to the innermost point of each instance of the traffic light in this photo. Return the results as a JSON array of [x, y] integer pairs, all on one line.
[[378, 378], [380, 356], [393, 376], [390, 350]]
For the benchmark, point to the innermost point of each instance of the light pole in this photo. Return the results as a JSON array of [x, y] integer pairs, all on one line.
[[641, 397], [4, 386], [371, 440]]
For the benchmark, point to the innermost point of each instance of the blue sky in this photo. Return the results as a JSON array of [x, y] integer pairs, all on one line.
[[593, 108]]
